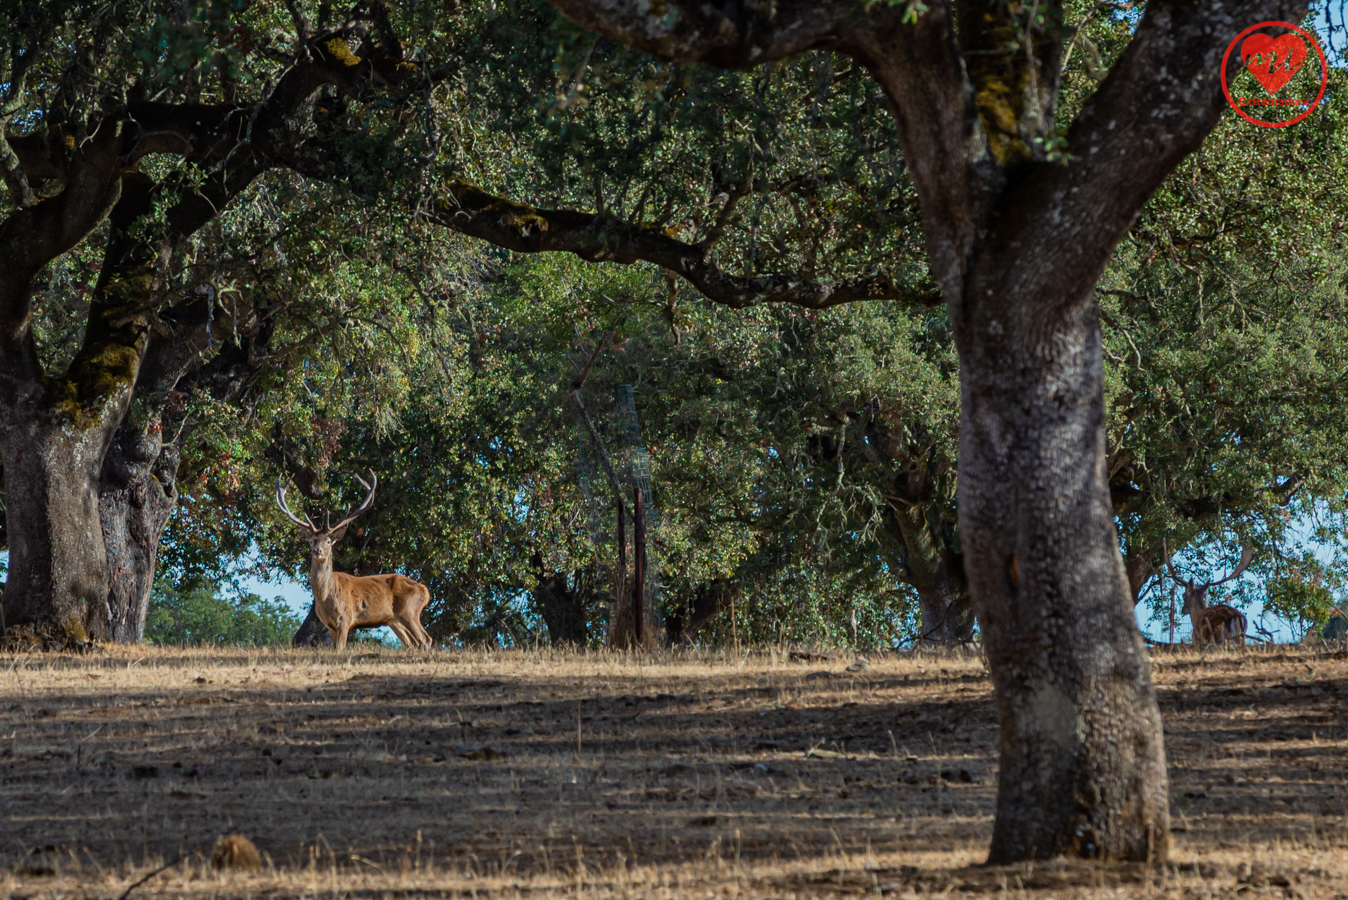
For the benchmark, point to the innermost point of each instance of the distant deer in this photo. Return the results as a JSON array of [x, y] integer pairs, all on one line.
[[343, 602], [1218, 624]]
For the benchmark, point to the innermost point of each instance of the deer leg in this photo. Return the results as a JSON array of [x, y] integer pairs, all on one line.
[[398, 629], [414, 618], [339, 636], [420, 639]]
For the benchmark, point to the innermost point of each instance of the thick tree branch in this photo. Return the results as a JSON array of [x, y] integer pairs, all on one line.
[[213, 132], [243, 140], [21, 59], [919, 67], [127, 297], [916, 63], [1165, 95], [598, 238], [33, 236]]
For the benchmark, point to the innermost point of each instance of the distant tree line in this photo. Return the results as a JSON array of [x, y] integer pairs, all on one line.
[[202, 617]]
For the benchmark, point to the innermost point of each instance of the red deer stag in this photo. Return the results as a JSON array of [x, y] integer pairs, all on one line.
[[1218, 624], [343, 602]]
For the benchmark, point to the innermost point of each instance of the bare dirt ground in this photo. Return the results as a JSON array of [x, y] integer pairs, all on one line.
[[599, 775]]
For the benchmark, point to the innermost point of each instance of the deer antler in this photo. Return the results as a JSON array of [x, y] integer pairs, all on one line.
[[365, 504], [281, 502], [1246, 557], [1165, 551]]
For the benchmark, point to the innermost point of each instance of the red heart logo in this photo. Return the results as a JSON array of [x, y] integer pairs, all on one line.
[[1273, 60]]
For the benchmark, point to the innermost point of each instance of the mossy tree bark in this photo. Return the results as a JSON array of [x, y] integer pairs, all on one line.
[[135, 482], [56, 591], [200, 348], [61, 589], [137, 494], [130, 503], [1019, 220], [201, 344], [55, 431], [54, 443]]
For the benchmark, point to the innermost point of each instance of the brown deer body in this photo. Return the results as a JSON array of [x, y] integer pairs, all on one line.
[[343, 602], [1217, 624], [1220, 624]]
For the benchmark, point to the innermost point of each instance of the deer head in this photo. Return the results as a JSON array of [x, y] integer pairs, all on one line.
[[322, 539]]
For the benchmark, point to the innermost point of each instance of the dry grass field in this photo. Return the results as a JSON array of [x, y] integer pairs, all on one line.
[[540, 774]]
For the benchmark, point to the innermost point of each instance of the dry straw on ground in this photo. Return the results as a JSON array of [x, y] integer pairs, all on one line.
[[671, 776]]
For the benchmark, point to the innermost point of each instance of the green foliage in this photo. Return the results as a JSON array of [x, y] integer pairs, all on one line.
[[200, 616], [1226, 329], [785, 444], [1303, 595], [477, 457]]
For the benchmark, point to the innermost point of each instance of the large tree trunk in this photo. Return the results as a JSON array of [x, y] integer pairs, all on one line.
[[708, 600], [54, 431], [947, 615], [1082, 766], [312, 633], [56, 594], [1020, 217], [136, 496], [1138, 565], [562, 610]]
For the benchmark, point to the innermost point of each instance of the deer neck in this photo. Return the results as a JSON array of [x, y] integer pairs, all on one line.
[[320, 579], [1195, 600]]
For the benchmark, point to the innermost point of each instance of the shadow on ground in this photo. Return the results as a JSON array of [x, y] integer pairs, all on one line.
[[511, 764]]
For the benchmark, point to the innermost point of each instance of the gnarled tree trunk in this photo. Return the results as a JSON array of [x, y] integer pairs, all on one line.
[[56, 592], [54, 433], [1081, 762], [312, 632], [709, 599], [917, 533], [935, 573], [54, 430], [562, 609], [136, 495]]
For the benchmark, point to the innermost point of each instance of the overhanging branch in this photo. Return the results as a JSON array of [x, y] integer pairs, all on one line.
[[910, 50], [597, 238]]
